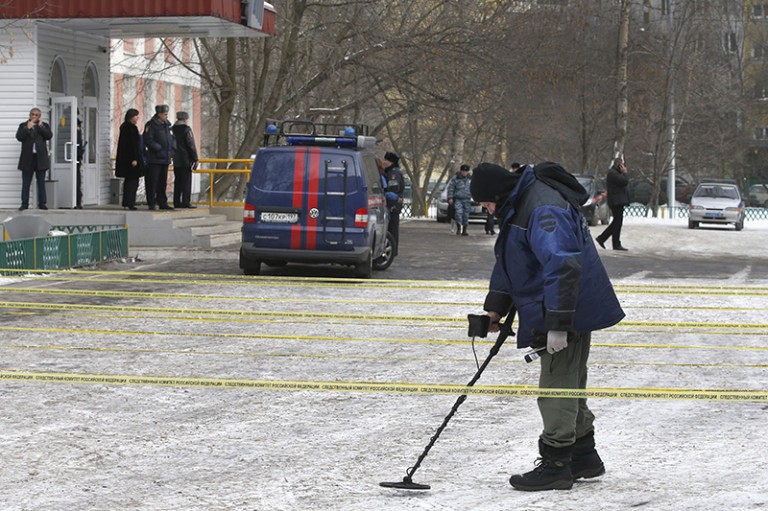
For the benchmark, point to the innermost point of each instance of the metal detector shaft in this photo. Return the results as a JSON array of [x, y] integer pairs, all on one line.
[[506, 330]]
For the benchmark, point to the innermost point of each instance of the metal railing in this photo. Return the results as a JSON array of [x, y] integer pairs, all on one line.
[[215, 174]]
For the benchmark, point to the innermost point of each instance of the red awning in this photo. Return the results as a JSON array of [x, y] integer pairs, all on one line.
[[149, 18]]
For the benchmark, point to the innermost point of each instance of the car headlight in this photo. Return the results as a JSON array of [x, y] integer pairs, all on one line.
[[695, 206], [734, 210]]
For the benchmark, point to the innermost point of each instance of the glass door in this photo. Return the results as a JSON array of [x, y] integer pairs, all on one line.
[[89, 167], [64, 161]]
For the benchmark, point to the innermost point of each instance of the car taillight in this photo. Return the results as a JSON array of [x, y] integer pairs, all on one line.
[[361, 217], [249, 214]]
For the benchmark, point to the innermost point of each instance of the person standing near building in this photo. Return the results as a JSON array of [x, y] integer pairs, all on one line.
[[459, 196], [395, 187], [547, 268], [34, 160], [130, 163], [618, 196], [158, 138], [80, 155], [184, 159]]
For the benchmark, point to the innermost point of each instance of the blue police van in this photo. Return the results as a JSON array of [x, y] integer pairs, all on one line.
[[315, 196]]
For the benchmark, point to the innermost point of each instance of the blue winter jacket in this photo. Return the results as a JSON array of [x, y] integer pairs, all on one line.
[[159, 141], [547, 266]]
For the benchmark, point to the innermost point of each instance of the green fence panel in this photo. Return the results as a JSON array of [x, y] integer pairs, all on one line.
[[17, 254], [86, 245]]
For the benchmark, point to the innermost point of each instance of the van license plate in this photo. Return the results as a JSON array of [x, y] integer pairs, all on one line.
[[280, 218]]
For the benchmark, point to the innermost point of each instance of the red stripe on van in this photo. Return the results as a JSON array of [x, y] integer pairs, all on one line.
[[298, 194], [314, 185]]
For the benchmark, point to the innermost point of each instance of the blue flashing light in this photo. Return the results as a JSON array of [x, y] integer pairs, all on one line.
[[326, 141], [349, 131], [272, 129]]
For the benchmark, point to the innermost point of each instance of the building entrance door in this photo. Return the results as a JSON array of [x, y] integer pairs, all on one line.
[[64, 158], [89, 167]]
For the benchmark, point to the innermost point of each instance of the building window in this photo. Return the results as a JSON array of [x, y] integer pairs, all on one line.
[[129, 46], [761, 133], [759, 11], [730, 45], [58, 77], [91, 82], [758, 51]]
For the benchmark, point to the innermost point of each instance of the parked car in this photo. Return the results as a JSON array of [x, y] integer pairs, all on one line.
[[758, 196], [318, 199], [640, 191], [716, 201], [476, 213], [596, 208]]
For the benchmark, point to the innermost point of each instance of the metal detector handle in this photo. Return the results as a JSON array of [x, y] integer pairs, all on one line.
[[506, 331]]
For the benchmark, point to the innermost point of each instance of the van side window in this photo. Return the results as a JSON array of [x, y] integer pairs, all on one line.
[[372, 174]]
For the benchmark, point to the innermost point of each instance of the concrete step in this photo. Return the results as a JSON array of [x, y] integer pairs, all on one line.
[[217, 228], [199, 220], [220, 240]]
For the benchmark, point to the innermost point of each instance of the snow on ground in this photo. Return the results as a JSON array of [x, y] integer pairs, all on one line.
[[82, 446]]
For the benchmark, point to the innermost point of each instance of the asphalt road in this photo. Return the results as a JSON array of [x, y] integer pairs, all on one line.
[[429, 251]]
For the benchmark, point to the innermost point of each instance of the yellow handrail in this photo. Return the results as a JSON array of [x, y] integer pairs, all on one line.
[[246, 169], [246, 163]]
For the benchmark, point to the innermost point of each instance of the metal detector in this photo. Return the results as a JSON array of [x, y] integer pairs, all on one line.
[[477, 327]]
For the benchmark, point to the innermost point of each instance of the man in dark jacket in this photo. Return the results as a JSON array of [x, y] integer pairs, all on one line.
[[34, 161], [618, 196], [160, 144], [547, 268], [395, 187], [184, 159]]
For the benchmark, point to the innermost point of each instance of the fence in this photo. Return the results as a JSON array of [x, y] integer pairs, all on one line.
[[84, 245], [215, 174]]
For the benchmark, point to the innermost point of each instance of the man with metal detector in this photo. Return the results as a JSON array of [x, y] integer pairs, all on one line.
[[547, 267]]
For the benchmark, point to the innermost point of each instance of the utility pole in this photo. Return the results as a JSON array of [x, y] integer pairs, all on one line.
[[671, 199], [622, 102]]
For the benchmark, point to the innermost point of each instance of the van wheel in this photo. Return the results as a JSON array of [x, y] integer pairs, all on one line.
[[365, 269], [383, 262], [249, 266], [692, 224], [740, 225]]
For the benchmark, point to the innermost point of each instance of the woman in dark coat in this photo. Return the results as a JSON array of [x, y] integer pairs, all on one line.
[[130, 157]]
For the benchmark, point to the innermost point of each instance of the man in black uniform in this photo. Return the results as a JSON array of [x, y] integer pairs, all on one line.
[[395, 186], [184, 159]]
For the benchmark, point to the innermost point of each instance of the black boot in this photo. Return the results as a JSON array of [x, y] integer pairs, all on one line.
[[586, 463], [464, 230], [552, 472]]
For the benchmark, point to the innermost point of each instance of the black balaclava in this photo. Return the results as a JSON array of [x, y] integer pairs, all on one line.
[[492, 183]]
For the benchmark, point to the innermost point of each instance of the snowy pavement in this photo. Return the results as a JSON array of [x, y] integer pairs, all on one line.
[[179, 439]]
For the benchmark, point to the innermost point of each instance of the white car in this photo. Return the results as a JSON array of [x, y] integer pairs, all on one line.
[[716, 202]]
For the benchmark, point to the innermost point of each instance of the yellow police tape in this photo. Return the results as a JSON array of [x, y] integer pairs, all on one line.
[[752, 327], [464, 285], [389, 388]]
